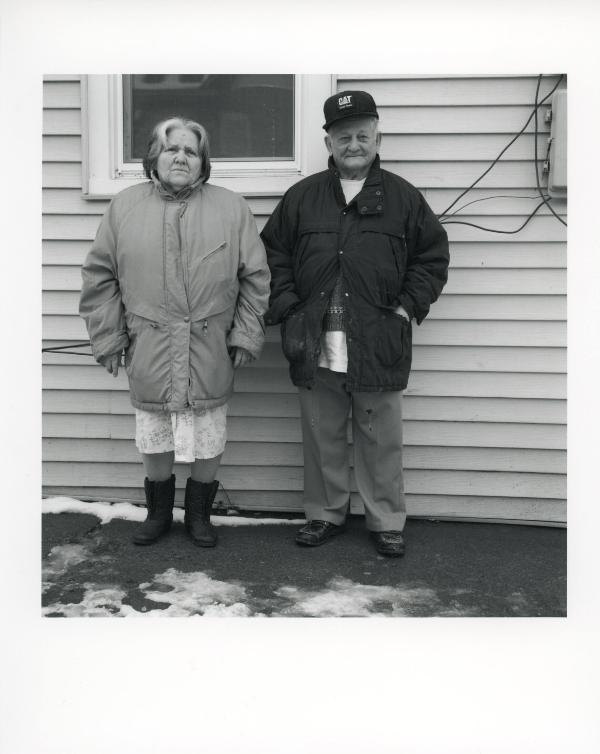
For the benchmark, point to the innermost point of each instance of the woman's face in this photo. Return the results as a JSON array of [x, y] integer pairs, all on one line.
[[179, 164]]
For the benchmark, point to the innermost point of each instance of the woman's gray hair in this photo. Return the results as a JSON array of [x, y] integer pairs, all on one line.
[[158, 142]]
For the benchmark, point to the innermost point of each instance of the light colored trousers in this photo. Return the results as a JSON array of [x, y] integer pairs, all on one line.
[[377, 436]]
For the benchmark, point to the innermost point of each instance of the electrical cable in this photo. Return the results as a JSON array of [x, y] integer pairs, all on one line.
[[62, 349], [74, 353], [493, 230], [512, 141], [487, 198], [535, 161]]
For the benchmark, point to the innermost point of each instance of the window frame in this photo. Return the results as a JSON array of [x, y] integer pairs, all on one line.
[[104, 173]]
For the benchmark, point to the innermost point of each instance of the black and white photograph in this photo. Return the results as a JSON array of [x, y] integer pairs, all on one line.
[[301, 318], [381, 370]]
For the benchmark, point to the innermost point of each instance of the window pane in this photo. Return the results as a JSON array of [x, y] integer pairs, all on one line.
[[248, 117]]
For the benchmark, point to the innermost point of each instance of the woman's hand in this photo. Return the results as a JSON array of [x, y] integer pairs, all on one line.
[[111, 364], [240, 357]]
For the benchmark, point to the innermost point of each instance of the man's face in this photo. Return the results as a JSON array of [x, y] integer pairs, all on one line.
[[353, 144]]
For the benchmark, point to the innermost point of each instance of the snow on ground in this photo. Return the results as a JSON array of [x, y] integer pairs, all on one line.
[[190, 594], [60, 559], [345, 598], [196, 594], [97, 602], [107, 511]]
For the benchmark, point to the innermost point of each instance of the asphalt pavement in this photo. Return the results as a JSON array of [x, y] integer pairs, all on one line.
[[450, 569]]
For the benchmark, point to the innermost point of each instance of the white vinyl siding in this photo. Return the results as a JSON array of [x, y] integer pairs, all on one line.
[[485, 410]]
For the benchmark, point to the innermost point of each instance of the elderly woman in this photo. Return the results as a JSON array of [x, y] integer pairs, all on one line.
[[177, 278]]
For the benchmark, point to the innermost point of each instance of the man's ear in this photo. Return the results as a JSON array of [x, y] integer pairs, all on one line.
[[378, 139], [328, 143]]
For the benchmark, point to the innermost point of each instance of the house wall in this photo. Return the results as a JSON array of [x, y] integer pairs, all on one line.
[[485, 409]]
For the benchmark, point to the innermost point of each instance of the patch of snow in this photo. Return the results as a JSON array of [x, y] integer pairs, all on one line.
[[104, 511], [345, 598], [107, 511], [197, 594], [248, 521], [189, 595], [97, 602], [59, 560]]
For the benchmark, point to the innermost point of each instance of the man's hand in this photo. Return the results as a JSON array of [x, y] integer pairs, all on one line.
[[402, 312], [240, 356], [111, 364]]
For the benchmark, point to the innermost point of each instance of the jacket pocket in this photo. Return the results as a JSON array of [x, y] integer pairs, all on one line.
[[315, 244], [293, 336], [393, 343], [397, 250], [147, 360], [211, 370], [384, 262], [215, 250], [213, 279]]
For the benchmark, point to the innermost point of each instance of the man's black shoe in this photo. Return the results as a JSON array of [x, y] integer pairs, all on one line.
[[317, 532], [388, 543]]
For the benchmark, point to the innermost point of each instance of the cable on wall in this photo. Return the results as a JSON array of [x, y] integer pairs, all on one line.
[[62, 349], [494, 230], [537, 105], [487, 198]]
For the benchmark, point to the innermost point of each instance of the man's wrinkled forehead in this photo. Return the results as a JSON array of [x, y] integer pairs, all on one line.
[[358, 124]]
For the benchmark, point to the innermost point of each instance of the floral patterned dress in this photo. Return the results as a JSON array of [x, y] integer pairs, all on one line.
[[191, 433]]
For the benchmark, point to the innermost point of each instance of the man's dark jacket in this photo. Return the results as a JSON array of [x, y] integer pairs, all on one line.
[[390, 250]]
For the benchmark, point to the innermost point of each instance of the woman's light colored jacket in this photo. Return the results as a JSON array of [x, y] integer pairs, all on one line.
[[175, 282]]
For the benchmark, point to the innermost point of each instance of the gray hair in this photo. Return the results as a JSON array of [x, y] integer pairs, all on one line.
[[158, 142]]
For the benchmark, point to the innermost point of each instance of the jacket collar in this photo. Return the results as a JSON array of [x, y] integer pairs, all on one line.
[[370, 199], [169, 196]]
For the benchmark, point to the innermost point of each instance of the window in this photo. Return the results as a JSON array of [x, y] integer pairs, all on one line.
[[248, 117], [264, 129]]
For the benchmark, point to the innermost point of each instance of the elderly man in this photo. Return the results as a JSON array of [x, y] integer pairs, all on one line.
[[355, 254]]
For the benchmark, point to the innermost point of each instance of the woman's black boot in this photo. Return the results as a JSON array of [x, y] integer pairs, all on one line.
[[199, 497], [160, 497]]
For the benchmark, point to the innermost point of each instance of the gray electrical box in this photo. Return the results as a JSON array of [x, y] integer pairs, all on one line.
[[557, 176]]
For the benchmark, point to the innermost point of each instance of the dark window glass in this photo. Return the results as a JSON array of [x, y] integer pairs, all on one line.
[[248, 117]]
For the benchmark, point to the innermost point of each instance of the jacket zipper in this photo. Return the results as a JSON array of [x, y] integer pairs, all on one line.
[[397, 261], [183, 254], [214, 251], [164, 256]]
